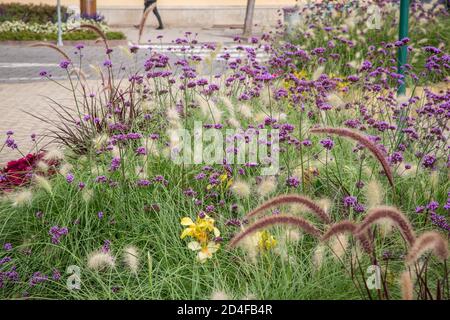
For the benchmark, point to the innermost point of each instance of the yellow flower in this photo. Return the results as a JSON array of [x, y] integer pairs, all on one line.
[[204, 252], [302, 74], [203, 232], [225, 182], [266, 241]]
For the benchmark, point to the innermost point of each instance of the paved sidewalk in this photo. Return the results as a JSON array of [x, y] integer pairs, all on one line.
[[15, 98], [202, 35]]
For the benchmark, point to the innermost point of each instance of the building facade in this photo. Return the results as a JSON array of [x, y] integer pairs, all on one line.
[[182, 13]]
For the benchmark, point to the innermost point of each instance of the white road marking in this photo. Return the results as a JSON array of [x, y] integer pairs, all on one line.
[[26, 65], [29, 79], [200, 50]]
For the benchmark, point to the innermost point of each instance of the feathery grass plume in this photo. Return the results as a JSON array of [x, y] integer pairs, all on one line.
[[246, 111], [289, 199], [260, 116], [318, 256], [241, 188], [267, 186], [131, 258], [434, 179], [339, 245], [347, 133], [152, 147], [65, 169], [87, 195], [43, 183], [407, 286], [325, 204], [292, 235], [100, 261], [173, 116], [266, 222], [219, 295], [396, 216], [53, 154], [98, 171], [143, 20], [51, 46], [318, 73], [282, 117], [430, 240], [42, 166], [250, 246], [228, 104], [21, 198], [234, 123], [335, 100], [347, 226], [374, 194], [213, 112]]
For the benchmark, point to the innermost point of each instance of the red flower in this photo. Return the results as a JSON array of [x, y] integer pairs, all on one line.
[[18, 172]]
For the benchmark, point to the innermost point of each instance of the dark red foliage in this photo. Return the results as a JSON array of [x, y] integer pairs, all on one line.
[[18, 172]]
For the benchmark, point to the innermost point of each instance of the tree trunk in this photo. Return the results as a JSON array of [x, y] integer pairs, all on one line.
[[248, 24], [88, 7]]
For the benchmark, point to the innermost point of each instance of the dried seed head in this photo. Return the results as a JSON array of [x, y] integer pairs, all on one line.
[[291, 199], [431, 240], [407, 286], [392, 214]]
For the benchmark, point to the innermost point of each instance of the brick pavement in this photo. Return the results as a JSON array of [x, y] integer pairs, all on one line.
[[15, 98]]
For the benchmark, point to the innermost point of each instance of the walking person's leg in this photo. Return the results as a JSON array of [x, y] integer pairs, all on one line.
[[156, 13], [148, 3]]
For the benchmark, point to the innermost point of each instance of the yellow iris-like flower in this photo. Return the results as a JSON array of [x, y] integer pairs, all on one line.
[[203, 232], [204, 252], [265, 240]]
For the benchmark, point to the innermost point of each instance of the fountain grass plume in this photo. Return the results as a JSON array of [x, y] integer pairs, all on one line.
[[289, 199], [347, 226], [407, 286], [266, 222], [392, 214], [430, 240], [347, 133], [51, 46]]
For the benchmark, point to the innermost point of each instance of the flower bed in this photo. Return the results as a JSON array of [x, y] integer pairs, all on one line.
[[18, 30], [159, 194], [353, 29], [38, 23]]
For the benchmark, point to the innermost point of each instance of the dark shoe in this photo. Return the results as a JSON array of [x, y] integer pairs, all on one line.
[[160, 28]]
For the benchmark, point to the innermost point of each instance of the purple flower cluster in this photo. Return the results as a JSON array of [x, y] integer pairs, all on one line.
[[57, 232]]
